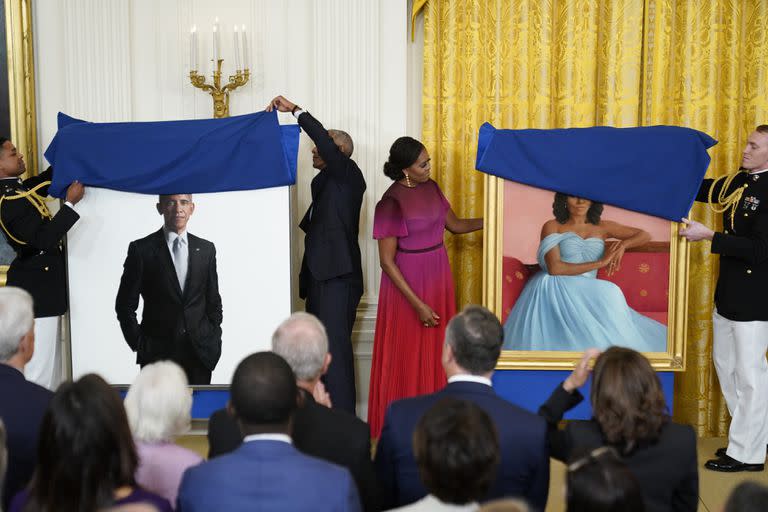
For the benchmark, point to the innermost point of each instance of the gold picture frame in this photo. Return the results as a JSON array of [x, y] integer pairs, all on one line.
[[21, 86], [671, 360]]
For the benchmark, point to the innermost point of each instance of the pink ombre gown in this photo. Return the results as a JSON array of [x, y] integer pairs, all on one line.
[[406, 355]]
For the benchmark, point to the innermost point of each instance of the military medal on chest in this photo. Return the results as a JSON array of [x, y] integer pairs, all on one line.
[[750, 203]]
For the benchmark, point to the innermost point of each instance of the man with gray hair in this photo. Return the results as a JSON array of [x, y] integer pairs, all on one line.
[[472, 348], [330, 434], [22, 403]]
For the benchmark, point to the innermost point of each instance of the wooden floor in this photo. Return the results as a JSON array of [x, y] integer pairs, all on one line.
[[714, 487]]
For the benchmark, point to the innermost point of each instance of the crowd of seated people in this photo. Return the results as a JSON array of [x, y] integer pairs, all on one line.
[[280, 446]]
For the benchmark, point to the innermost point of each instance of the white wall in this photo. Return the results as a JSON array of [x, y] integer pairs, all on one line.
[[349, 62]]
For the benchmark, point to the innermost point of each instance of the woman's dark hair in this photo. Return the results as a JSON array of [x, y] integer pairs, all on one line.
[[85, 450], [560, 209], [601, 482], [627, 400], [457, 451], [747, 497], [403, 153]]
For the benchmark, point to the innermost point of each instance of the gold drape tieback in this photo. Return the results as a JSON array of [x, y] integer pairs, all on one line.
[[33, 197], [725, 200]]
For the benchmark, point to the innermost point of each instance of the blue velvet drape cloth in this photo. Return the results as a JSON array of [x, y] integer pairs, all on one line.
[[655, 170], [245, 152]]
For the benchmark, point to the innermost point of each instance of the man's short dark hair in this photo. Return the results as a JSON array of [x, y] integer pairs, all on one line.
[[164, 197], [263, 390], [476, 336], [457, 450], [747, 497]]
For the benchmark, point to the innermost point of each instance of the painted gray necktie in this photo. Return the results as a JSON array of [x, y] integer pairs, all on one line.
[[180, 260]]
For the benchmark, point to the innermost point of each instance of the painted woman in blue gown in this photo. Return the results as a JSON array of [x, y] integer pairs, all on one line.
[[565, 306]]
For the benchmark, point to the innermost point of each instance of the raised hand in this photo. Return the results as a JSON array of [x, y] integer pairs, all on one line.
[[281, 104], [580, 373]]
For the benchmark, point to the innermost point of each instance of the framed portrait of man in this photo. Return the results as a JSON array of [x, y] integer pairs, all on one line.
[[552, 311], [17, 93]]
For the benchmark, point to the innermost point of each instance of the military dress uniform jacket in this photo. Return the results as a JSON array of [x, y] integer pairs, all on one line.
[[36, 236], [743, 248]]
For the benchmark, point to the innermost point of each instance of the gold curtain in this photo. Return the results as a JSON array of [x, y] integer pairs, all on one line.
[[575, 63]]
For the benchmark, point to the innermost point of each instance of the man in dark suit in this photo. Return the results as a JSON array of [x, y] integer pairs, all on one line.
[[330, 434], [472, 347], [740, 318], [175, 273], [22, 403], [331, 278], [36, 236], [266, 472]]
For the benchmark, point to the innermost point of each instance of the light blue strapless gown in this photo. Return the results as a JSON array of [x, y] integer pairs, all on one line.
[[577, 312]]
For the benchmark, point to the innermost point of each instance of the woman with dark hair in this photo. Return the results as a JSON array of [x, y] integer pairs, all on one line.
[[416, 297], [629, 415], [601, 482], [565, 306], [85, 457], [456, 448]]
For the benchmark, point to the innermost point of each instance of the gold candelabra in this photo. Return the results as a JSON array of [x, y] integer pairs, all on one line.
[[220, 94]]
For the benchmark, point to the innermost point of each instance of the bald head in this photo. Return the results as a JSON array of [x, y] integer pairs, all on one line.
[[302, 341]]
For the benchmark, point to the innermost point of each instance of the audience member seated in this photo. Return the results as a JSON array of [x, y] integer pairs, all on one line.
[[159, 404], [629, 414], [266, 472], [747, 497], [601, 482], [457, 452], [331, 434], [3, 456], [85, 458], [472, 347], [23, 408]]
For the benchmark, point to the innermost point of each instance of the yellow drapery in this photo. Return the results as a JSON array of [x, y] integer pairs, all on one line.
[[575, 63]]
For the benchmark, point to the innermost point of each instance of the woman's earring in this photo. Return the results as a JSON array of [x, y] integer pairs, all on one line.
[[407, 180]]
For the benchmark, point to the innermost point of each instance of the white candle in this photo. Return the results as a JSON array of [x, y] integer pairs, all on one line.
[[215, 47], [217, 36], [237, 50], [245, 50], [193, 48]]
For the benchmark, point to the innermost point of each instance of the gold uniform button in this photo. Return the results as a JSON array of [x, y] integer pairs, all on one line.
[[746, 185], [746, 215], [726, 231], [46, 269], [749, 271]]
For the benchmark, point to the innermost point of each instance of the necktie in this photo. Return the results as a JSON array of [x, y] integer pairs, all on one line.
[[180, 260]]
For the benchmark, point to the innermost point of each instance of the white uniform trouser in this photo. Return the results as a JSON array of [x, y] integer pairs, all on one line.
[[45, 366], [739, 354]]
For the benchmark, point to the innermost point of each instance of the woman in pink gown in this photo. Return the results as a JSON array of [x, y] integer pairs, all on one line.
[[416, 297]]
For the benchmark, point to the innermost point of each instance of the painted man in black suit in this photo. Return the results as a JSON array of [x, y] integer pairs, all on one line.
[[330, 434], [36, 236], [22, 403], [331, 279], [175, 273], [740, 318]]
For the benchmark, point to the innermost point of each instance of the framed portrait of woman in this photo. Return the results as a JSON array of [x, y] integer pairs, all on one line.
[[17, 94], [564, 273]]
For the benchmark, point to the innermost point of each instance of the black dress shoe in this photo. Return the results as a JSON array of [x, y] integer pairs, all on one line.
[[730, 465], [721, 451]]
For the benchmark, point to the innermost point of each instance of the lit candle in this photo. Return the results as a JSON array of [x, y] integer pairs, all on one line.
[[237, 50], [245, 50], [215, 47], [193, 48]]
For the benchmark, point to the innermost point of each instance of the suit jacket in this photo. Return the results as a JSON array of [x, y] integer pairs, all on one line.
[[169, 315], [22, 407], [329, 434], [267, 475], [743, 249], [332, 221], [667, 470], [524, 467], [39, 265]]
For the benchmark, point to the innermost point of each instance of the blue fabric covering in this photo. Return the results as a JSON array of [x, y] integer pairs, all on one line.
[[577, 312], [170, 157], [655, 170]]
